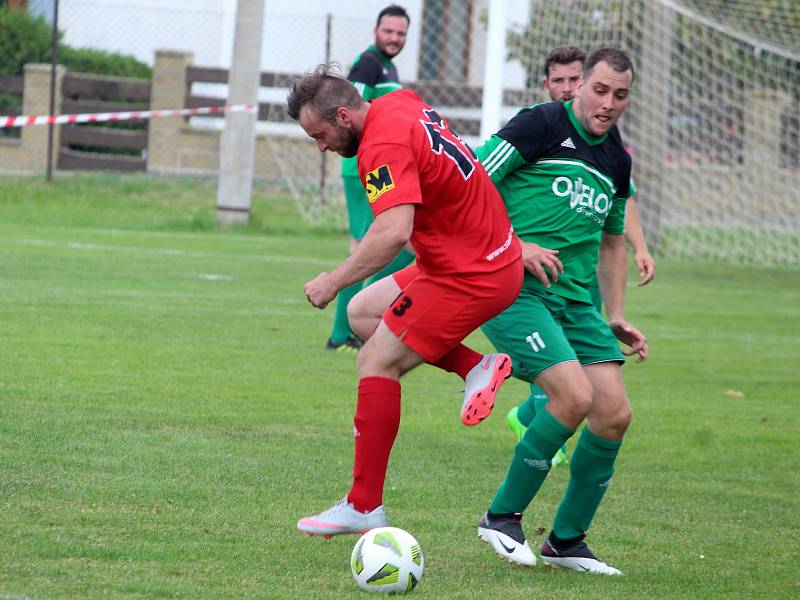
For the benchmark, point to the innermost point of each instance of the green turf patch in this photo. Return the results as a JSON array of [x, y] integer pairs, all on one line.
[[167, 413]]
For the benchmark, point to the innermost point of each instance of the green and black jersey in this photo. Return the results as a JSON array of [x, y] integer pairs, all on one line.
[[562, 187], [373, 74]]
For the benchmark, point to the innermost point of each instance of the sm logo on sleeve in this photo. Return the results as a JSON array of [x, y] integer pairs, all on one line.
[[378, 182]]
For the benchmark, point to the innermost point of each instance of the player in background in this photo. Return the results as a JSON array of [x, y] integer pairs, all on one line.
[[563, 75], [373, 74], [564, 175], [425, 185]]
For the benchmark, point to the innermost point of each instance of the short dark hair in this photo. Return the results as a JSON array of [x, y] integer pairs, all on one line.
[[614, 57], [563, 55], [393, 10], [324, 91]]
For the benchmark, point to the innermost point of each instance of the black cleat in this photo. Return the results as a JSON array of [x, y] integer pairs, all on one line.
[[576, 557], [351, 344], [504, 533]]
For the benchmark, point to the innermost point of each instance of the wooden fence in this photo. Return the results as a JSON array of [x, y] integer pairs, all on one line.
[[11, 88], [122, 146], [440, 94], [119, 146]]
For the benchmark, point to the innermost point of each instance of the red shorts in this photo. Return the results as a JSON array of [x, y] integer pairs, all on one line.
[[433, 314]]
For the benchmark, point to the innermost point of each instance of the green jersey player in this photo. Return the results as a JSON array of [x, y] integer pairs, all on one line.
[[563, 76], [564, 175], [373, 74]]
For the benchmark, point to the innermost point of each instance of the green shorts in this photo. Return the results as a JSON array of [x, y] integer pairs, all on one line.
[[542, 329], [359, 214]]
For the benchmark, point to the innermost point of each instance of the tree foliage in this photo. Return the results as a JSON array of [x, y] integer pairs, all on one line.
[[26, 39]]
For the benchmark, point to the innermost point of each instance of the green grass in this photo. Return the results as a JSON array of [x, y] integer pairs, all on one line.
[[167, 412]]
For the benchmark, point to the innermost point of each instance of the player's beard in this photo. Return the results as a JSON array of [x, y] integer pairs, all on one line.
[[347, 141], [389, 50]]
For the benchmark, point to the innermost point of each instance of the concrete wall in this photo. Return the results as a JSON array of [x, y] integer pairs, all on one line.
[[28, 154]]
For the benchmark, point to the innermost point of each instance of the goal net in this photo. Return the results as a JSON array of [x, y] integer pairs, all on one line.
[[713, 120]]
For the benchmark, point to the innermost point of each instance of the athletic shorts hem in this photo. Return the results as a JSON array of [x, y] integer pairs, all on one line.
[[605, 360], [561, 362]]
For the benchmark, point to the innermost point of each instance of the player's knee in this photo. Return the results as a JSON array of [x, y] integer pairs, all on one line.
[[621, 420], [574, 401], [612, 419], [363, 317], [355, 315]]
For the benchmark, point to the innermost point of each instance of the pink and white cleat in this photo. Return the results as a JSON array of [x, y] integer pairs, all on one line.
[[342, 518], [482, 384]]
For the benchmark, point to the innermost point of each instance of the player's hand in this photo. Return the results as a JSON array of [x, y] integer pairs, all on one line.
[[540, 260], [632, 337], [646, 266], [321, 290]]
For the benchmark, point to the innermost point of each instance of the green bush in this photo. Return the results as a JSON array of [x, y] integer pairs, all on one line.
[[23, 39], [99, 62], [26, 39]]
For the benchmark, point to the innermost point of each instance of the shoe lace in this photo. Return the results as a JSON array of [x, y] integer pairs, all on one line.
[[336, 508]]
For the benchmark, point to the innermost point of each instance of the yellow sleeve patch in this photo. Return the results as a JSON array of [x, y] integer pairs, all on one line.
[[378, 182]]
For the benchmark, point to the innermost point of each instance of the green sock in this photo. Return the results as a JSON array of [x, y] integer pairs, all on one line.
[[530, 464], [341, 326], [590, 470], [535, 403], [401, 261]]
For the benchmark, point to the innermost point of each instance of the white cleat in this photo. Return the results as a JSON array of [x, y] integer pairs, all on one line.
[[507, 538], [342, 518], [481, 386], [577, 557]]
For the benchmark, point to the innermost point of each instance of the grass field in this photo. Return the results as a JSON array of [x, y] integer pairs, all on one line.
[[167, 412]]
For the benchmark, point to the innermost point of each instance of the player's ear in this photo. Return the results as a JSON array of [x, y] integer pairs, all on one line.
[[343, 116]]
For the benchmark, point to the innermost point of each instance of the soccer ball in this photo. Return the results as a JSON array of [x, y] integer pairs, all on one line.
[[387, 559]]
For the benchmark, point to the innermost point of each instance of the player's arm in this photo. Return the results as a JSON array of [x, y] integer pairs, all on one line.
[[387, 235], [635, 237], [612, 274], [499, 157]]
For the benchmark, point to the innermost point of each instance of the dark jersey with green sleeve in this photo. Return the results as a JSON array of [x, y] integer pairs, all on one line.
[[562, 188], [373, 74]]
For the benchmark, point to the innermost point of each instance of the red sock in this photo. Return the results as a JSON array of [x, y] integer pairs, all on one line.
[[459, 360], [376, 423]]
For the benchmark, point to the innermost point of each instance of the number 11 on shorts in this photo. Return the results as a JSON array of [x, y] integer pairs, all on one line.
[[535, 340]]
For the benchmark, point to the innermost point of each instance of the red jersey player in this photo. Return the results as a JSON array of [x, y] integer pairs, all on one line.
[[425, 185]]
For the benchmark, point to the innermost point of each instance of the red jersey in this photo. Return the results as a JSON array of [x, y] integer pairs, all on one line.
[[409, 155]]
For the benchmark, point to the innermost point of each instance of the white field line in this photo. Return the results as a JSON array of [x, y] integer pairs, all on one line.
[[303, 260]]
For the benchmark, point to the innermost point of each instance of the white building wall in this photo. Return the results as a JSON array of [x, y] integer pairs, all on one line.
[[294, 32]]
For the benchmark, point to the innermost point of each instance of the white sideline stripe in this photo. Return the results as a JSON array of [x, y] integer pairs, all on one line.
[[215, 277], [95, 295], [172, 308], [305, 260]]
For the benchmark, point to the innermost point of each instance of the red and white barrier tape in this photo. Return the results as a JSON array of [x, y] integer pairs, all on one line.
[[23, 120]]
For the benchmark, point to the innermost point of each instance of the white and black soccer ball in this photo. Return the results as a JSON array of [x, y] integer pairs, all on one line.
[[387, 559]]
